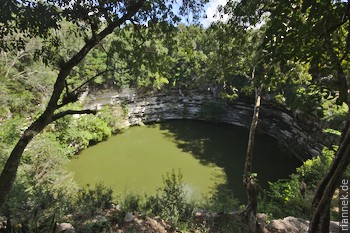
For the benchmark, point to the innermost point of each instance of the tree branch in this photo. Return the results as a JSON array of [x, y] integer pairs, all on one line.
[[67, 89], [347, 46], [90, 79], [73, 96], [103, 10], [72, 112], [9, 171], [331, 29], [346, 18], [136, 26], [98, 74], [18, 56]]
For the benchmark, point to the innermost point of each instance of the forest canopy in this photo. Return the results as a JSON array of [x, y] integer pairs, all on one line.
[[295, 53]]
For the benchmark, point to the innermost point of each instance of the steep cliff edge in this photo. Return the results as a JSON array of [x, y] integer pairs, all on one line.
[[275, 120]]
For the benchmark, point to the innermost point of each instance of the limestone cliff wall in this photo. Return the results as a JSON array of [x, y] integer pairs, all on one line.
[[275, 120]]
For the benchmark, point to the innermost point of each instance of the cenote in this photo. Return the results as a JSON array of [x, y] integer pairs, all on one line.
[[207, 154]]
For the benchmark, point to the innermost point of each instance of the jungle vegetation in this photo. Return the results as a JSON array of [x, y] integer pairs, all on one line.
[[295, 53]]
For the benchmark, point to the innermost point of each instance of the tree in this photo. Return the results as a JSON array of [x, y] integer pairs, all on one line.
[[146, 56], [95, 20], [230, 53], [20, 76], [42, 185], [188, 57], [265, 76], [316, 32], [233, 55], [250, 181]]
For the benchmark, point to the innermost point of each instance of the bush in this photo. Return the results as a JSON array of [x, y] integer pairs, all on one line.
[[79, 133], [334, 115], [314, 169], [171, 203], [95, 227], [283, 198], [43, 188], [114, 116], [132, 203], [90, 202]]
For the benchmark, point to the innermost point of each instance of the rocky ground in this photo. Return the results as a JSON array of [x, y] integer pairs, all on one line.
[[206, 222]]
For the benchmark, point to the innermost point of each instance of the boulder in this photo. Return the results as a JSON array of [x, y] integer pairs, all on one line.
[[295, 225], [288, 225], [128, 217], [66, 227]]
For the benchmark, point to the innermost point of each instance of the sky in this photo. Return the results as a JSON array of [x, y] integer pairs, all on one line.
[[211, 10]]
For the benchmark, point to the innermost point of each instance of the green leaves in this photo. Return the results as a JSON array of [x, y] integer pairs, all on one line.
[[283, 198], [92, 201], [314, 169], [79, 133], [172, 199], [21, 20], [312, 32]]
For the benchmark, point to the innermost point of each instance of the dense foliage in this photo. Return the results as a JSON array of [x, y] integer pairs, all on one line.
[[299, 70]]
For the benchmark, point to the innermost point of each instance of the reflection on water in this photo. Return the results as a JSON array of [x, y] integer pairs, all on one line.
[[207, 154]]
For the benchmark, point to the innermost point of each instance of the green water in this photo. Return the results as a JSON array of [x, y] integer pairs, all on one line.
[[207, 154]]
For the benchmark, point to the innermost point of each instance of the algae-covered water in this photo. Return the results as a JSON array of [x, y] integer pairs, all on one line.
[[207, 154]]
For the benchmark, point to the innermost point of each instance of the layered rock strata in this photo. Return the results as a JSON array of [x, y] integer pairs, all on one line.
[[275, 120]]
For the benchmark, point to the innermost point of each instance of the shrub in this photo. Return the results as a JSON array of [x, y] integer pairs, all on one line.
[[132, 202], [172, 199], [95, 227], [92, 201], [79, 133], [314, 169], [114, 116], [283, 198], [43, 187]]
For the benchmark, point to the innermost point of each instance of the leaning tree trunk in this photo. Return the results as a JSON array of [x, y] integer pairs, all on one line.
[[8, 174], [322, 199], [250, 181], [324, 193]]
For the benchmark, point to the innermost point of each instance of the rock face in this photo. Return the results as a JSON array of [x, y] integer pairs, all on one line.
[[274, 120]]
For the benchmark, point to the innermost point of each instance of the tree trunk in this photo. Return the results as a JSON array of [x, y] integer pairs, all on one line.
[[8, 174], [250, 181], [321, 203], [324, 193]]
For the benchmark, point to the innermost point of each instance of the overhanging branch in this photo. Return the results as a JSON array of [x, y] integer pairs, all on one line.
[[347, 46], [73, 95], [333, 28], [9, 170], [136, 27], [90, 79], [99, 74], [72, 112]]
